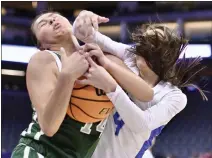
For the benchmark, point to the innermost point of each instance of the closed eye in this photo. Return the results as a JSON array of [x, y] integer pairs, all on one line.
[[42, 23]]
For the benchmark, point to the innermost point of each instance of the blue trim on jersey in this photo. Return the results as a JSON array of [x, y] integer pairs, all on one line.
[[148, 142], [119, 123]]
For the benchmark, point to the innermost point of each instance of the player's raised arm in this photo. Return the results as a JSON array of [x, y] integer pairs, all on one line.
[[50, 90], [158, 115], [84, 29], [132, 83]]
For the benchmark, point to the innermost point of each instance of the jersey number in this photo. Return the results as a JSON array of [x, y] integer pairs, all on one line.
[[87, 127], [119, 123], [100, 127]]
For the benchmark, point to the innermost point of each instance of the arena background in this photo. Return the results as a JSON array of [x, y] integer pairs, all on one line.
[[188, 135]]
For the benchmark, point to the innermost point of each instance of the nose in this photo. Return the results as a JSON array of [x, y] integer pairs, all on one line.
[[52, 21], [56, 25]]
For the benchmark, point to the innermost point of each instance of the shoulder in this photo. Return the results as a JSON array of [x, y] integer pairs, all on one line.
[[169, 93], [42, 62], [177, 97], [42, 57]]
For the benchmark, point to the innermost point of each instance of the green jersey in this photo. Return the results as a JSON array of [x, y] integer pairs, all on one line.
[[73, 139]]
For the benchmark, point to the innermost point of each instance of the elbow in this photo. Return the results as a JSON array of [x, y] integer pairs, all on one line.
[[48, 126], [148, 96], [183, 102], [48, 131]]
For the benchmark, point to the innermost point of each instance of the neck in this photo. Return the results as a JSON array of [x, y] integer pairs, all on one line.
[[70, 45], [150, 78], [69, 48]]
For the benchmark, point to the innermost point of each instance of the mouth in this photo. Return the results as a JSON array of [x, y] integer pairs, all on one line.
[[57, 26]]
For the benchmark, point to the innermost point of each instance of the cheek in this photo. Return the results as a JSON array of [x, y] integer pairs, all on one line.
[[141, 64], [65, 24], [45, 34], [138, 63], [45, 31]]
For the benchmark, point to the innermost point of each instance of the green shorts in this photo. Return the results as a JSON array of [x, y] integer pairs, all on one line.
[[24, 151], [29, 148]]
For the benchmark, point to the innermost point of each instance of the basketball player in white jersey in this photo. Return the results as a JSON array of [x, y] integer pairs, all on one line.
[[134, 124]]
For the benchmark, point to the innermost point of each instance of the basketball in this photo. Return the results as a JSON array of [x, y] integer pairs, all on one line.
[[89, 104]]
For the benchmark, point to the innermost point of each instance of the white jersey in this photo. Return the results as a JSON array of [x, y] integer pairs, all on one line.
[[148, 154], [134, 124]]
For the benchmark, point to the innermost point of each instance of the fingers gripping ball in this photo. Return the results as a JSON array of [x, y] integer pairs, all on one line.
[[89, 104]]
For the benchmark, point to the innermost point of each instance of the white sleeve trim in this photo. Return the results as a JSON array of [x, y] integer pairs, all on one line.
[[110, 46], [117, 49]]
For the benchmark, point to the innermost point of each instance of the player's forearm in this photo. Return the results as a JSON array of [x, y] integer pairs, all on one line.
[[152, 118], [110, 46], [54, 112], [132, 83]]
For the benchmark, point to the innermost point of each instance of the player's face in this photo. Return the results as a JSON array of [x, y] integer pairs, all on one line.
[[141, 63], [51, 28]]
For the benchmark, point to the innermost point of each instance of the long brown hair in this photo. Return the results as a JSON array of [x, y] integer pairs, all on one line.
[[161, 48]]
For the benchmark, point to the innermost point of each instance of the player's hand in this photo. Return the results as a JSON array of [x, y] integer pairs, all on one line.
[[98, 77], [86, 24], [94, 51], [74, 65]]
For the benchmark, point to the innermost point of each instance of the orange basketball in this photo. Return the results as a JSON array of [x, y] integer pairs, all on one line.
[[89, 104]]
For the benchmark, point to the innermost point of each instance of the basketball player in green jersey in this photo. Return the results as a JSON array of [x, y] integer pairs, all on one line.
[[52, 133]]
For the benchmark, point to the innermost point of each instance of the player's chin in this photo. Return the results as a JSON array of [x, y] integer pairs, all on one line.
[[59, 35], [59, 32]]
